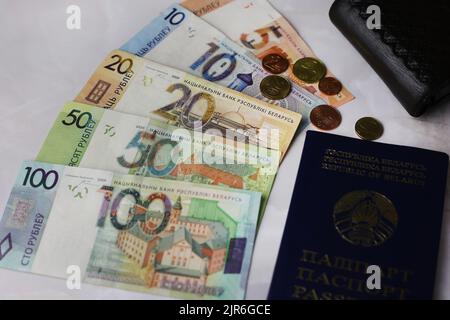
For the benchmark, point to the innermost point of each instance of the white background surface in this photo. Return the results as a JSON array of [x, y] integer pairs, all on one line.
[[43, 65]]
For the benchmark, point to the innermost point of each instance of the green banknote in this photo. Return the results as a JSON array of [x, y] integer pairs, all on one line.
[[171, 238], [98, 138]]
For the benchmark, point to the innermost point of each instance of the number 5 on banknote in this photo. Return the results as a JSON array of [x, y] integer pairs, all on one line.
[[209, 54]]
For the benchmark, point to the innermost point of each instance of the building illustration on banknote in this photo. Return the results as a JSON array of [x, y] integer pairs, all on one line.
[[188, 250], [178, 250]]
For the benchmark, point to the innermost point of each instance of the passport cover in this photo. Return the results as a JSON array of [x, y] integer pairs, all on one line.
[[356, 204], [410, 52]]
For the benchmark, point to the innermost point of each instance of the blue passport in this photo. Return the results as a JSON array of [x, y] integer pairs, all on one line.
[[364, 222]]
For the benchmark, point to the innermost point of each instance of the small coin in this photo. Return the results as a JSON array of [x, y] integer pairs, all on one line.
[[326, 117], [275, 64], [330, 86], [369, 129], [309, 70], [275, 87]]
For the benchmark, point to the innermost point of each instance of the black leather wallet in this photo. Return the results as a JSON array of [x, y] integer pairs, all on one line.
[[411, 50]]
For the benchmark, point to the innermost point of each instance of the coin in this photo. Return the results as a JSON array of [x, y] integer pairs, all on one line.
[[274, 63], [275, 87], [325, 117], [330, 86], [309, 70], [369, 129]]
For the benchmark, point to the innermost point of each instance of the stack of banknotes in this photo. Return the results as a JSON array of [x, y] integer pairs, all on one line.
[[156, 177]]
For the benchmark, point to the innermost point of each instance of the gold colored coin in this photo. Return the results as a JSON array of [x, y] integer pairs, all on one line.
[[309, 70], [369, 129], [275, 87]]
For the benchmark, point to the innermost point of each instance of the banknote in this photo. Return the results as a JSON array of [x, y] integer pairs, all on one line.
[[49, 222], [260, 28], [92, 137], [169, 238], [127, 83], [180, 39]]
